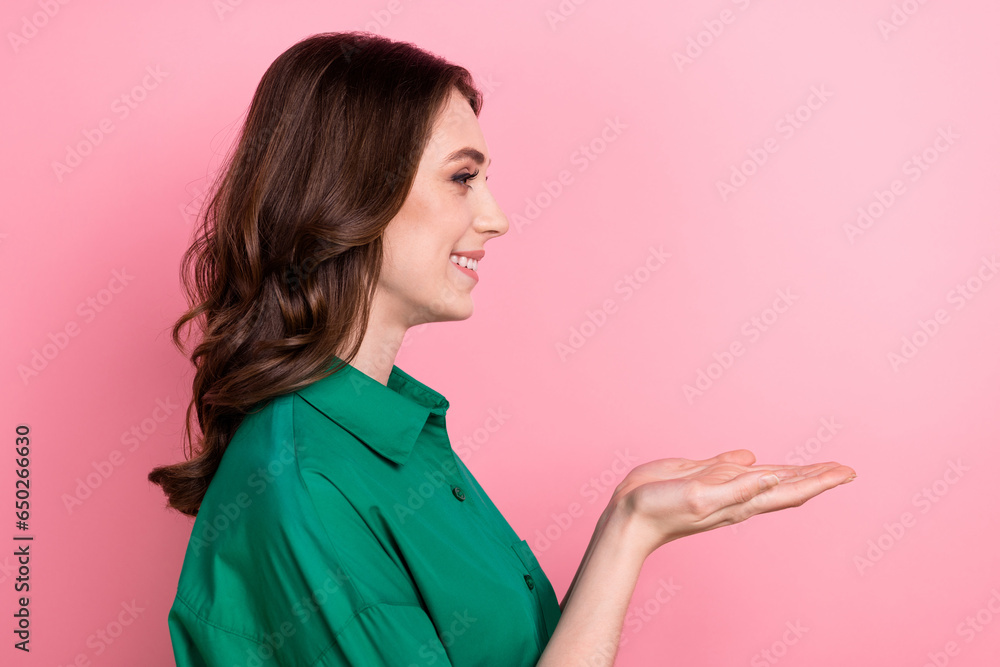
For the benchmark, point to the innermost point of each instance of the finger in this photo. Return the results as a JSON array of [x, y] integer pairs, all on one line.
[[674, 467], [725, 472], [818, 464], [795, 474], [744, 487], [740, 456], [789, 471], [758, 492], [792, 471], [795, 492]]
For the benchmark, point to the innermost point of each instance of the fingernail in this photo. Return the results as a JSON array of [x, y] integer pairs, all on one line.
[[849, 479], [767, 481]]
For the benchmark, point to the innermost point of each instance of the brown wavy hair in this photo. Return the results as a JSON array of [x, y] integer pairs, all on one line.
[[282, 270]]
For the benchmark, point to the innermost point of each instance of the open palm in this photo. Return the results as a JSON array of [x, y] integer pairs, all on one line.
[[671, 498]]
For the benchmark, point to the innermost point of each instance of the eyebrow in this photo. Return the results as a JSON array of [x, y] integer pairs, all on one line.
[[463, 153]]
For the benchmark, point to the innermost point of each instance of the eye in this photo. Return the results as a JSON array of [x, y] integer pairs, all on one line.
[[464, 178]]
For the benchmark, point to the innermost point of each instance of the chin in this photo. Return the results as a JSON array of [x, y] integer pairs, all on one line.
[[456, 312], [452, 303], [462, 314]]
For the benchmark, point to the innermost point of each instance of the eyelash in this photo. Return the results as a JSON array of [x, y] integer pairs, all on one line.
[[464, 178]]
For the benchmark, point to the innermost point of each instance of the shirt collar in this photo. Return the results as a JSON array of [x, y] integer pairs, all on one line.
[[387, 418]]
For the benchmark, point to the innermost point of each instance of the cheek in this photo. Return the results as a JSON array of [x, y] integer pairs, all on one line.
[[417, 273]]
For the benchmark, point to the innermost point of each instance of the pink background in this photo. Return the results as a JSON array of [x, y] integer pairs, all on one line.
[[873, 573]]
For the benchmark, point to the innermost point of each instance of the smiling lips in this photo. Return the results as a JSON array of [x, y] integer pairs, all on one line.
[[467, 261], [462, 260]]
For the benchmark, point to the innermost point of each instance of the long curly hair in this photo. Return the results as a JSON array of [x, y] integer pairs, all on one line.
[[288, 250]]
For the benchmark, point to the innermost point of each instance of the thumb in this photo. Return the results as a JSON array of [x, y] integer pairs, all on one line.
[[749, 485], [767, 481]]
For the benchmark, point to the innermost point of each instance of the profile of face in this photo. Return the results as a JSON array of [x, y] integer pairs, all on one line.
[[448, 211]]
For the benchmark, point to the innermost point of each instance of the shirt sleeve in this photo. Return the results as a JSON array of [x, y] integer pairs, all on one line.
[[387, 626], [379, 635], [387, 635]]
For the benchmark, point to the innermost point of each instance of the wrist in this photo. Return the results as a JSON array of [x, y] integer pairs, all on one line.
[[620, 525]]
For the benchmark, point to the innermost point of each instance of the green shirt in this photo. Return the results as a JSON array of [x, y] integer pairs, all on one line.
[[342, 529]]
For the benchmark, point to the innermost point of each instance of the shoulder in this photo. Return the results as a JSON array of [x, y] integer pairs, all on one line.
[[274, 448], [277, 538]]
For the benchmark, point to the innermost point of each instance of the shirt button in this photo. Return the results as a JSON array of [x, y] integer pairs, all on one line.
[[458, 493], [531, 582]]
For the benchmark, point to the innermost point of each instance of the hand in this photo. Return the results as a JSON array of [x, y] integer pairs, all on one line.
[[671, 498]]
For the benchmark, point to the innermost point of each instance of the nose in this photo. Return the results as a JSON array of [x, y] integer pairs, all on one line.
[[490, 218]]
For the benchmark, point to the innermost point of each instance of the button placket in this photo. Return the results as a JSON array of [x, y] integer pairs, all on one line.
[[548, 618]]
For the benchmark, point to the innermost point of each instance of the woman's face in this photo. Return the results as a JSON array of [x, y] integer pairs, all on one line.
[[449, 210]]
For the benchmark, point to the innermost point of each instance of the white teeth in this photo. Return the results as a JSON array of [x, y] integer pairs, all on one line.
[[465, 261]]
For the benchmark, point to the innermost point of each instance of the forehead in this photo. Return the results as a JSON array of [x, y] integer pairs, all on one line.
[[456, 127]]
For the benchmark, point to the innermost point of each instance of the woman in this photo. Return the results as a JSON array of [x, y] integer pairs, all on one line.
[[335, 525]]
